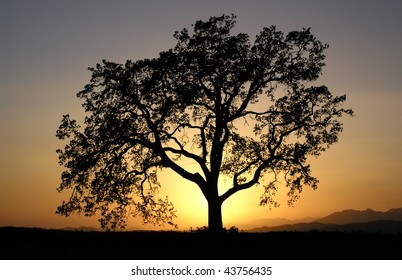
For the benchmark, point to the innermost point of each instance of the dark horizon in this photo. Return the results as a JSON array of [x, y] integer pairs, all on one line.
[[346, 220], [40, 244]]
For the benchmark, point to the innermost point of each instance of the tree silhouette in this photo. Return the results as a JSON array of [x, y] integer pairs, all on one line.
[[234, 109]]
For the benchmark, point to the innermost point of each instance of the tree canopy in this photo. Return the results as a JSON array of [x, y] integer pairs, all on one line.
[[192, 102]]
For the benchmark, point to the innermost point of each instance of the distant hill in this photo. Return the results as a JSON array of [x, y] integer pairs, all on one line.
[[356, 216], [291, 227], [388, 227], [368, 220], [271, 222]]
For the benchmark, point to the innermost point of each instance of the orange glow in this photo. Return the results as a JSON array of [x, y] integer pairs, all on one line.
[[40, 76]]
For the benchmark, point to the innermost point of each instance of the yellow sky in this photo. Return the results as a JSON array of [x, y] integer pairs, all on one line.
[[47, 48]]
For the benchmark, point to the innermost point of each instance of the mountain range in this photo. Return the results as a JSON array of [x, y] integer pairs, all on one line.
[[347, 220]]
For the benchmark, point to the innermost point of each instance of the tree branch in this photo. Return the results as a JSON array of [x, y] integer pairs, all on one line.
[[187, 154], [257, 174]]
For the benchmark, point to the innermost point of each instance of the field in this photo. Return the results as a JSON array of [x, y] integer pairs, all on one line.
[[33, 243]]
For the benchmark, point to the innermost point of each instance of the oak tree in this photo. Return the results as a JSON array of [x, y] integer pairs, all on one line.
[[243, 110]]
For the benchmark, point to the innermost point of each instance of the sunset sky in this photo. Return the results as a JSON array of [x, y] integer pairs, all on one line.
[[46, 47]]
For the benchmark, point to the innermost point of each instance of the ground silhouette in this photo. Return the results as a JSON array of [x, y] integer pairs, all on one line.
[[35, 243]]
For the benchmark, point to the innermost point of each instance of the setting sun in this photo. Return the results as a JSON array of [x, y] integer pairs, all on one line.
[[192, 206]]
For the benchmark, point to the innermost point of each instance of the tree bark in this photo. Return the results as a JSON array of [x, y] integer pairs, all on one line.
[[215, 224]]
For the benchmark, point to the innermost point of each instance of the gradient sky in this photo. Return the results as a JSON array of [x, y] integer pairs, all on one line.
[[46, 47]]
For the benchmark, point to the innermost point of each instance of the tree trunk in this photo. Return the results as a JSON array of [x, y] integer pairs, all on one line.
[[215, 224]]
